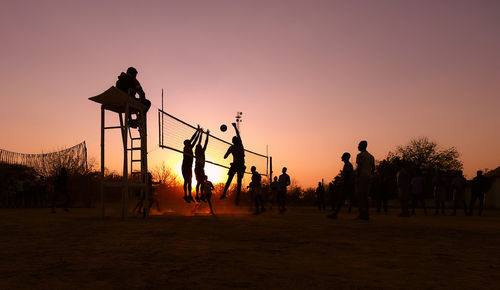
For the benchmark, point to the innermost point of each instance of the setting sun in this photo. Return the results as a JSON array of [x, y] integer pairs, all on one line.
[[216, 174]]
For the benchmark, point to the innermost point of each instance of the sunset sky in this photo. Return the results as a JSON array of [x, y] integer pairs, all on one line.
[[312, 78]]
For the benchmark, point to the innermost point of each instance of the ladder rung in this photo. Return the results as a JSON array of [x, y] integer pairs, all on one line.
[[136, 138], [136, 160], [134, 148], [113, 127]]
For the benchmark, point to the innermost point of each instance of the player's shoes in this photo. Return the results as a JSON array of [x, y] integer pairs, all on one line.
[[197, 198], [222, 196], [186, 198]]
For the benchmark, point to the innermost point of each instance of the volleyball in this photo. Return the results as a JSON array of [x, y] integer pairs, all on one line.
[[223, 128]]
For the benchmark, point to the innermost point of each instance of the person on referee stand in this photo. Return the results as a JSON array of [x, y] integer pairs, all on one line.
[[237, 166], [128, 83]]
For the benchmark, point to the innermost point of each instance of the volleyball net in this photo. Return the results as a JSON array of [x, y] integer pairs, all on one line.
[[173, 131], [73, 158]]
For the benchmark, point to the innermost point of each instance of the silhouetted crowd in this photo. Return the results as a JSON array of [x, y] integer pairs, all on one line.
[[410, 185], [22, 187]]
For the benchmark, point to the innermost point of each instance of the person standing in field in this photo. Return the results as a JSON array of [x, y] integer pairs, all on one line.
[[199, 166], [417, 192], [320, 194], [256, 190], [187, 164], [237, 166], [61, 188], [275, 188], [332, 196], [346, 184], [152, 196], [440, 182], [403, 181], [207, 191], [284, 182], [364, 171], [459, 183], [480, 186]]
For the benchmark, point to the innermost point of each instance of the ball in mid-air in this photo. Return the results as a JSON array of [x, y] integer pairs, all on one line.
[[223, 128]]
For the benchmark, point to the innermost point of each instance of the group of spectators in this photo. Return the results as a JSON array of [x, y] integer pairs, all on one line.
[[408, 184], [22, 187], [445, 186]]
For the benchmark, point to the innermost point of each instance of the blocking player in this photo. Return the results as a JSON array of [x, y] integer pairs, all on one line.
[[199, 166], [187, 164]]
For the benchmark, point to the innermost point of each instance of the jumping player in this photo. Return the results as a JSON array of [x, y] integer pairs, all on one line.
[[199, 166], [187, 164], [237, 166]]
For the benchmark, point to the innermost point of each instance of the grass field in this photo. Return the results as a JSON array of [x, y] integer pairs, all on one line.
[[300, 249]]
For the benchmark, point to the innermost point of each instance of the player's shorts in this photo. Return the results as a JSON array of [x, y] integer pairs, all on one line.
[[199, 172], [237, 168], [187, 173]]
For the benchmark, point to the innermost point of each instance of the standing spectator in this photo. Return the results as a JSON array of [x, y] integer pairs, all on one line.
[[284, 181], [459, 183], [480, 185], [61, 188], [275, 189], [320, 194], [346, 185], [440, 185], [403, 181], [364, 172], [417, 192]]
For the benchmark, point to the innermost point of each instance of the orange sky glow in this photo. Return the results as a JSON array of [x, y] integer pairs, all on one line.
[[312, 78]]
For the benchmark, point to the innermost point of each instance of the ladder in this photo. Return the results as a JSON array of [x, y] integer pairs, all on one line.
[[114, 100]]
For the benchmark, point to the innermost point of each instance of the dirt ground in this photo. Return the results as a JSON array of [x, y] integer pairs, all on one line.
[[300, 249]]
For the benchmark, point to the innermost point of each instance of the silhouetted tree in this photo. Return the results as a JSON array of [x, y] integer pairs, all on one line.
[[425, 154]]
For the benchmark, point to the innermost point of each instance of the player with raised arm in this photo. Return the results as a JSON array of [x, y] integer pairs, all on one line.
[[187, 164], [237, 166], [199, 166]]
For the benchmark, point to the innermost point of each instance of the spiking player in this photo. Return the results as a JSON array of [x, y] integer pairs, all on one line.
[[199, 166], [187, 164], [237, 166]]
